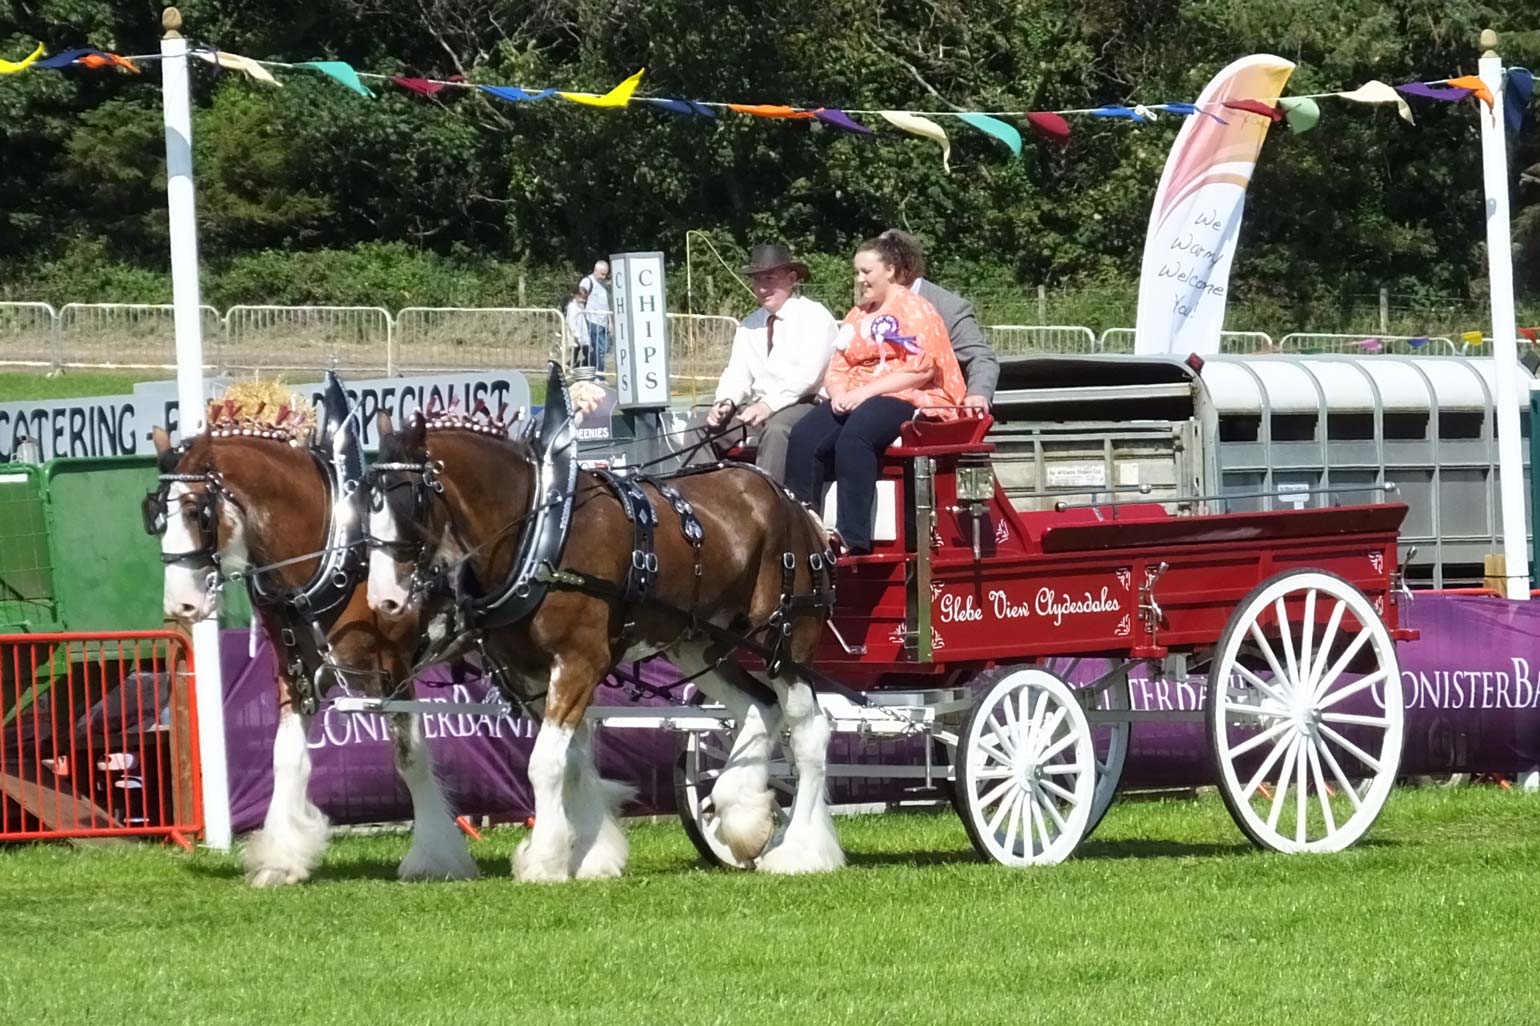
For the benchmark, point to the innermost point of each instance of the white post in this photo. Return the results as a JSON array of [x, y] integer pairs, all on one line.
[[181, 206], [1510, 460]]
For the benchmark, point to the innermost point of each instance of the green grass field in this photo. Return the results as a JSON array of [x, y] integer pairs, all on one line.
[[1165, 917]]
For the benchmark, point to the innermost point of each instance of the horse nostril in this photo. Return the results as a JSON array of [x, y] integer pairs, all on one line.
[[390, 607], [186, 611]]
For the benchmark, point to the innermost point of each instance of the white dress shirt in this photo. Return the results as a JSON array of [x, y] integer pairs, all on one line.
[[793, 369], [598, 306]]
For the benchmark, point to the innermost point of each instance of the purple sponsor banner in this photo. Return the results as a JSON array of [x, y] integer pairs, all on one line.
[[1470, 684]]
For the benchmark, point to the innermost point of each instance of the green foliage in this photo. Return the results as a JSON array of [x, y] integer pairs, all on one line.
[[313, 194]]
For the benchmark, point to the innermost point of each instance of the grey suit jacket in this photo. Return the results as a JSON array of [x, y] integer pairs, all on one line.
[[980, 366]]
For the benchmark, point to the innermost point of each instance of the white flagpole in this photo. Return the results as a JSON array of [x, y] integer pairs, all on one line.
[[182, 207], [1510, 459]]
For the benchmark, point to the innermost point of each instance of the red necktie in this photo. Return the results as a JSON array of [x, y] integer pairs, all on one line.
[[769, 334]]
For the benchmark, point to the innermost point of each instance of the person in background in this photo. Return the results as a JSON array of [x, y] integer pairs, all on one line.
[[779, 356], [980, 366], [576, 320], [891, 357], [597, 310]]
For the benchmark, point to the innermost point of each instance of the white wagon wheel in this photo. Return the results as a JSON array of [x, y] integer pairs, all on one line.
[[1305, 713], [695, 772], [1109, 743], [1027, 770]]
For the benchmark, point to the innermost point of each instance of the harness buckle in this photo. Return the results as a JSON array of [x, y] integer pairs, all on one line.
[[788, 561], [286, 636], [652, 562]]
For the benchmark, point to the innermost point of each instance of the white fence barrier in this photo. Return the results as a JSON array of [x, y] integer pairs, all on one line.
[[132, 336], [1121, 340], [1025, 339], [478, 338], [1358, 345], [353, 339], [699, 346], [28, 335], [370, 340]]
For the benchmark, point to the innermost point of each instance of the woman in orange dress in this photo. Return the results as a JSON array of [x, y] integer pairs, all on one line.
[[892, 357]]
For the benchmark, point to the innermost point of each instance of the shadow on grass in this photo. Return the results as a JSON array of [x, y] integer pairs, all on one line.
[[349, 870]]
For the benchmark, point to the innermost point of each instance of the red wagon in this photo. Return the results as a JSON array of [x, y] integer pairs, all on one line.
[[1291, 617]]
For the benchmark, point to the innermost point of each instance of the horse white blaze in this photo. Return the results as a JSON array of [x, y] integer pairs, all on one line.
[[189, 593], [388, 590]]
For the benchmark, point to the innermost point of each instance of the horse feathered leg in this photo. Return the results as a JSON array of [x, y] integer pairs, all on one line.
[[599, 846], [438, 851], [548, 855], [294, 833], [745, 806], [809, 843]]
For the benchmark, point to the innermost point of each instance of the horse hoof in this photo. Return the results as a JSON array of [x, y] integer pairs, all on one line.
[[457, 866], [275, 876], [531, 867]]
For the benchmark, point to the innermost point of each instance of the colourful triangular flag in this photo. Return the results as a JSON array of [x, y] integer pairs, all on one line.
[[1475, 85], [1300, 112], [771, 110], [839, 119], [235, 62], [341, 71], [65, 59], [1113, 110], [12, 67], [1266, 110], [997, 128], [620, 96], [420, 86], [1518, 87], [1472, 338], [688, 108], [924, 127], [1433, 91], [1049, 126], [1378, 92], [513, 94]]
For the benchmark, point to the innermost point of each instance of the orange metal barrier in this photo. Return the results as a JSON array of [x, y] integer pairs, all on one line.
[[98, 736]]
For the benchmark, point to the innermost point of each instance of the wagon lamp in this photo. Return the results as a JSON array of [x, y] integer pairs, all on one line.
[[975, 487]]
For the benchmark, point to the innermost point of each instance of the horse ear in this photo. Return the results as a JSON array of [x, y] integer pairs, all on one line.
[[416, 435], [162, 440], [384, 425]]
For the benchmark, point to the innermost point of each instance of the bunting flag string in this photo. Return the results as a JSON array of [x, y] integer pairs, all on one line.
[[1299, 113]]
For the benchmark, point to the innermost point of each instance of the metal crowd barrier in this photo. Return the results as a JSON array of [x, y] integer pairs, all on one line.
[[98, 737]]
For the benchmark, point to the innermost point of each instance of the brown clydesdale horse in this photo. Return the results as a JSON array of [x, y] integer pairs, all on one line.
[[468, 526], [230, 503]]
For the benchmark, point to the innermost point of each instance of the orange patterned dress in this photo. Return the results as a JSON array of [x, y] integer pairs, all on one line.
[[904, 333]]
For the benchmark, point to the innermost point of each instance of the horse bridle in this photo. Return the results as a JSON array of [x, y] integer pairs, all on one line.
[[156, 510], [423, 480]]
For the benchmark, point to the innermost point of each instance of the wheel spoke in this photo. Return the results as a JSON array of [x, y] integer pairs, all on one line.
[[1323, 651], [1045, 736], [1267, 653], [1038, 713], [996, 754], [1057, 747], [1048, 806], [994, 794], [1255, 711], [1262, 685], [1062, 792], [1286, 640], [1042, 828], [993, 774], [1357, 720], [1301, 794], [1007, 743], [1063, 769], [1281, 794], [1266, 767], [1330, 676], [1260, 739], [1306, 633], [1336, 772], [1368, 680], [1352, 749], [1320, 788], [1001, 813], [1011, 821]]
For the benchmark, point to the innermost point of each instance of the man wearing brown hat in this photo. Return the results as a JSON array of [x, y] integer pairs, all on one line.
[[780, 353]]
